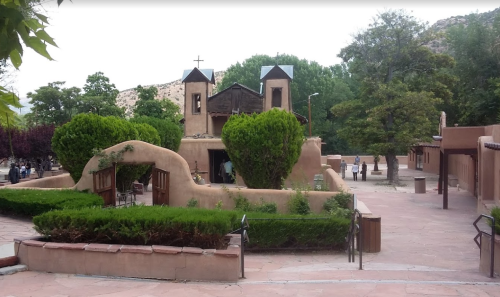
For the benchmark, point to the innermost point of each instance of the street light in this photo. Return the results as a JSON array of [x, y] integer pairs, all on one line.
[[309, 104]]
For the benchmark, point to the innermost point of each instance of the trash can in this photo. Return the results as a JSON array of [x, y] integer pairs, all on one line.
[[318, 182], [420, 185], [371, 233]]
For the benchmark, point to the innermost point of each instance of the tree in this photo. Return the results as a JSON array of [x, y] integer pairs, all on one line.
[[39, 139], [396, 107], [170, 133], [74, 141], [54, 105], [100, 97], [263, 147], [332, 83]]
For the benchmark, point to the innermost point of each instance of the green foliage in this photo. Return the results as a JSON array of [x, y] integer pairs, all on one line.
[[7, 99], [100, 97], [53, 104], [495, 212], [298, 203], [146, 225], [192, 203], [295, 231], [170, 133], [35, 202], [338, 205], [74, 141], [241, 203], [265, 207], [263, 147], [219, 205]]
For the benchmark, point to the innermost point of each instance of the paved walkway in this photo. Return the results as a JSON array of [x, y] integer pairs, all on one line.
[[426, 251]]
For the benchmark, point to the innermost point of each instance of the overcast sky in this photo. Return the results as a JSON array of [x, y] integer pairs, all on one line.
[[151, 42]]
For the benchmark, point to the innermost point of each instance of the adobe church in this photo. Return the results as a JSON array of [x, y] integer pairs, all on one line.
[[206, 113]]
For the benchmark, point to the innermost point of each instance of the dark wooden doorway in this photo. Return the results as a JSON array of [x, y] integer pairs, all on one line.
[[216, 158], [105, 185], [161, 181]]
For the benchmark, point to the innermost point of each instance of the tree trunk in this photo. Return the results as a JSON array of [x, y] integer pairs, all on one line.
[[389, 159]]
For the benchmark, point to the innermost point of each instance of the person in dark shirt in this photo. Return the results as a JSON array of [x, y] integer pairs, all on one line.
[[14, 174]]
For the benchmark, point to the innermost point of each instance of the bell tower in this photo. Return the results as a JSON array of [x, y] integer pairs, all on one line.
[[276, 80], [198, 85]]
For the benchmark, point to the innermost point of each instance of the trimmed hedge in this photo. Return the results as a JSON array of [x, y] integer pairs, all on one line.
[[138, 225], [33, 202], [495, 212], [281, 232]]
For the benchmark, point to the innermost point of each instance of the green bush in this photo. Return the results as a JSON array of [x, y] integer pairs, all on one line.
[[170, 132], [266, 207], [74, 141], [338, 205], [298, 203], [192, 203], [495, 212], [263, 147], [147, 225], [35, 202], [295, 231]]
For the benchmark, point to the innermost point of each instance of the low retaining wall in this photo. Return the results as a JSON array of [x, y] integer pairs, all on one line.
[[156, 262], [484, 263]]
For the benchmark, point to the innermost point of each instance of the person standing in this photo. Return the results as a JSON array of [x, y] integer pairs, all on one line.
[[355, 169], [222, 171], [28, 168], [23, 170], [357, 160], [363, 171], [228, 166], [343, 167], [13, 174]]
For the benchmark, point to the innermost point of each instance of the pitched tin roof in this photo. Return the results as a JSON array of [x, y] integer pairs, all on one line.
[[207, 73], [287, 69]]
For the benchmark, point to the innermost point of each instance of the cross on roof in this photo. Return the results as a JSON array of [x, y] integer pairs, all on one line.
[[198, 61]]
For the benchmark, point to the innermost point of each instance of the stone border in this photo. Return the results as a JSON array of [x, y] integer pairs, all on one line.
[[155, 262]]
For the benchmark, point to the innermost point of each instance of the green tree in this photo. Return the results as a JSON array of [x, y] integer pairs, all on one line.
[[74, 141], [100, 97], [170, 133], [263, 147], [53, 104], [476, 50], [396, 106]]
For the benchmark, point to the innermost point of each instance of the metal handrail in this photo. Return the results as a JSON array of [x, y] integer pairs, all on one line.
[[492, 235], [355, 228], [244, 238]]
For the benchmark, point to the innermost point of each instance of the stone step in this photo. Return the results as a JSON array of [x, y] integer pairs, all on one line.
[[13, 269]]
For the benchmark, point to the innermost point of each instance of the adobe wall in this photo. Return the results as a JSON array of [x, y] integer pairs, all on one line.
[[183, 188], [462, 166], [276, 83], [196, 123], [461, 137], [157, 262], [60, 181], [197, 150], [487, 168], [369, 159], [430, 160]]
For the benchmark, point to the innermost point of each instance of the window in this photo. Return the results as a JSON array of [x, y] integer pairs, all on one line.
[[196, 103], [276, 100]]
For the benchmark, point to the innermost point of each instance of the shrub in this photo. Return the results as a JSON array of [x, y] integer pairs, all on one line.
[[295, 232], [148, 225], [74, 141], [495, 212], [298, 203], [263, 147], [192, 203], [338, 205], [266, 207], [35, 202], [170, 132]]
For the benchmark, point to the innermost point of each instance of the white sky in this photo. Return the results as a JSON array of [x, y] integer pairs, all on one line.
[[151, 42]]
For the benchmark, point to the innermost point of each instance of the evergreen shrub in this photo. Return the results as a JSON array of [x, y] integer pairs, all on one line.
[[138, 225], [495, 212], [35, 202]]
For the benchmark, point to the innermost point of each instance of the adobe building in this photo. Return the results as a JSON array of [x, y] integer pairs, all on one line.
[[206, 113], [467, 157]]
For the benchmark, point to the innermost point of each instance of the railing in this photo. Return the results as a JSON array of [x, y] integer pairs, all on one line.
[[355, 229], [244, 238], [492, 235]]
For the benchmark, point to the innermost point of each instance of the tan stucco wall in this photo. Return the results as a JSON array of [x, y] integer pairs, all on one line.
[[461, 137], [285, 91], [182, 187], [487, 188], [197, 150], [430, 160], [54, 182], [462, 166], [196, 123]]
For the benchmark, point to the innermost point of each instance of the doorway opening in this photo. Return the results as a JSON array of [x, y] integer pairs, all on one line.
[[216, 159]]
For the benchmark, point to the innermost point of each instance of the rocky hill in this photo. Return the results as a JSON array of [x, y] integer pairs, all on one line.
[[172, 90], [441, 26]]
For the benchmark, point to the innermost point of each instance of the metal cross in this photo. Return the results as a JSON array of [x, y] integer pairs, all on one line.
[[198, 61]]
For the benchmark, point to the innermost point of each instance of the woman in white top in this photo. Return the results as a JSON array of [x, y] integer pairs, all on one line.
[[355, 169], [23, 170]]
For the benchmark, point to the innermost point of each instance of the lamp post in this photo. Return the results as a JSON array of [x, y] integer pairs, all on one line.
[[309, 104]]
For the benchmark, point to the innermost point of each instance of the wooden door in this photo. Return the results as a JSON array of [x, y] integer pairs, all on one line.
[[105, 185], [161, 179]]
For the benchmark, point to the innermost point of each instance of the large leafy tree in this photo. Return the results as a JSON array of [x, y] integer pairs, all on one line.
[[332, 83], [53, 104], [100, 97], [263, 147], [399, 80], [476, 50]]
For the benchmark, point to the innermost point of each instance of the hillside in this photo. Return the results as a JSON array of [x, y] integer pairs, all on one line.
[[172, 90]]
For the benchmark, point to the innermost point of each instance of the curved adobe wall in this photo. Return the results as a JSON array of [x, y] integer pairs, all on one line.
[[182, 187], [48, 183]]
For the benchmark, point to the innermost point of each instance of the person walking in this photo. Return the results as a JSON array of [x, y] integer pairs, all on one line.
[[23, 170], [363, 171], [28, 169], [13, 174], [222, 171], [228, 166], [343, 167], [355, 169], [357, 160]]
